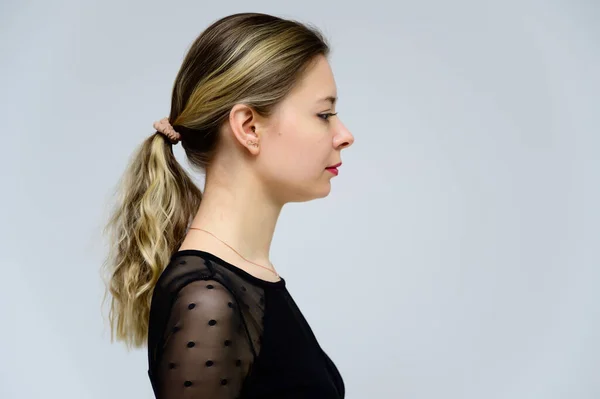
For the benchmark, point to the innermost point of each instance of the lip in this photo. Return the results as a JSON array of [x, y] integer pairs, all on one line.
[[333, 170], [334, 166]]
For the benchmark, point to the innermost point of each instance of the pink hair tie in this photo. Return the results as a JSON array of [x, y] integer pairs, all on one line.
[[163, 126]]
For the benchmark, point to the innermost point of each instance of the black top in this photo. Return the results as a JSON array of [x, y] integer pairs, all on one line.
[[218, 332]]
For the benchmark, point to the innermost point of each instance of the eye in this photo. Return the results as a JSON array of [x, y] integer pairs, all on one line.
[[326, 116]]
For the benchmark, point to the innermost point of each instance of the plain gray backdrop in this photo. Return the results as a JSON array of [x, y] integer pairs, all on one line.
[[457, 255]]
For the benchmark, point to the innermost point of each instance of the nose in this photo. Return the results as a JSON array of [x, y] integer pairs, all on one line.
[[343, 137]]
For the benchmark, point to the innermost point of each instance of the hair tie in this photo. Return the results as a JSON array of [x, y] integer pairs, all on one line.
[[164, 127]]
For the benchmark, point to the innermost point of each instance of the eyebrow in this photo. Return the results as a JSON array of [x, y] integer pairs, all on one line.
[[331, 99]]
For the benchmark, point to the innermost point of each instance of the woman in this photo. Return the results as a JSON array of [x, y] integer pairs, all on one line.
[[254, 108]]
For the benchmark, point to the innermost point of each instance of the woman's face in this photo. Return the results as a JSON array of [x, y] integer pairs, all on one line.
[[301, 140]]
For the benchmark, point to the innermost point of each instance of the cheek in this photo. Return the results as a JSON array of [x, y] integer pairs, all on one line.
[[295, 156]]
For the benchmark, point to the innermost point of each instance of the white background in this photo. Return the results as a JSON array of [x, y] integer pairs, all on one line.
[[457, 255]]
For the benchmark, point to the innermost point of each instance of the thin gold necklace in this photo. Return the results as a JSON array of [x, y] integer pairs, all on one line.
[[273, 271]]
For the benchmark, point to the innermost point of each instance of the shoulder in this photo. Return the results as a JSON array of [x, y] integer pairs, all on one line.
[[180, 272], [206, 295]]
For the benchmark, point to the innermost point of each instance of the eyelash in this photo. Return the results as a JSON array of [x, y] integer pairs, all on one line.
[[327, 119]]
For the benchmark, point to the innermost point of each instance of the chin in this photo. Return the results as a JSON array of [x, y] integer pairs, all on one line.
[[325, 191]]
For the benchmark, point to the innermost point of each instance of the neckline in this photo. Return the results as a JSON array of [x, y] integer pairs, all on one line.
[[233, 268]]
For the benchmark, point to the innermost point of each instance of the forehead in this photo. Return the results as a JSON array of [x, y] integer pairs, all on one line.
[[316, 84]]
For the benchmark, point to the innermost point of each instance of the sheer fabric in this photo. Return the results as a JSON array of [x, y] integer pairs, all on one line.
[[218, 332]]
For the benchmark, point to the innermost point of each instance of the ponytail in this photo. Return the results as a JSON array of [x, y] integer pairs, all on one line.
[[156, 202]]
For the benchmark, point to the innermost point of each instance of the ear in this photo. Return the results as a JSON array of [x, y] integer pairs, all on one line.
[[243, 121]]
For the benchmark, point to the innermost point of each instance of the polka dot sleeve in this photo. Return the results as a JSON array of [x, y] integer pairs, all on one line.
[[206, 352]]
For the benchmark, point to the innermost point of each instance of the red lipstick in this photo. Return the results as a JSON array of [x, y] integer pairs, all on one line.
[[333, 168]]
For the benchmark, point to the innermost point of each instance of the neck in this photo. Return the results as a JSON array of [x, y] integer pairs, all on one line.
[[239, 213]]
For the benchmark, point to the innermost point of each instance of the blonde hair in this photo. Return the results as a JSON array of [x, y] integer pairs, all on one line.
[[249, 58]]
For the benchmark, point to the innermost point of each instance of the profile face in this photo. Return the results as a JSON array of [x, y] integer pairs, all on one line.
[[302, 139]]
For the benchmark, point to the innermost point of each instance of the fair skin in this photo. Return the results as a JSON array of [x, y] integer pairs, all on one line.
[[247, 186]]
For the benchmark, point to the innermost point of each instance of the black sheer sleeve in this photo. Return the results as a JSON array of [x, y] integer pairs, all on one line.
[[207, 353]]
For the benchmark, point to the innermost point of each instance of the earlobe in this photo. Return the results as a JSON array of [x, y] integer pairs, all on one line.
[[253, 143]]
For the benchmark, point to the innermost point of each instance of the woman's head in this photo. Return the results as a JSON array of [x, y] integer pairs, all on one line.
[[247, 77], [297, 142], [255, 78]]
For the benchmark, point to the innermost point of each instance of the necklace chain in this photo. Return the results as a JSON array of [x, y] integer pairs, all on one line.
[[271, 270]]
